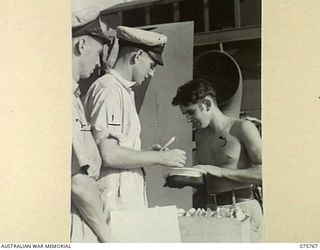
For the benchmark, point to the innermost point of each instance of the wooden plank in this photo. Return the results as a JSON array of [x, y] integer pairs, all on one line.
[[137, 4], [217, 230], [231, 35]]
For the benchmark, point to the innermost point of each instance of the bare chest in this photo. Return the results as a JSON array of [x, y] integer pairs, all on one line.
[[221, 149]]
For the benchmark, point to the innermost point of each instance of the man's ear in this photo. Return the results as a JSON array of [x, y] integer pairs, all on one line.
[[81, 45], [137, 56], [207, 103]]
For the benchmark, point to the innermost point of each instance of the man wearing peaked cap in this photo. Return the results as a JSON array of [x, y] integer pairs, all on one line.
[[88, 39], [87, 22], [151, 42], [109, 105], [87, 43]]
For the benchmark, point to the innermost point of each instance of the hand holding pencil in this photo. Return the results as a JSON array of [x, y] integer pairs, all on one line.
[[171, 158], [158, 147]]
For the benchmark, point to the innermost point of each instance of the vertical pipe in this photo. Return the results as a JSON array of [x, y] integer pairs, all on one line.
[[237, 15], [147, 15], [206, 15], [120, 17]]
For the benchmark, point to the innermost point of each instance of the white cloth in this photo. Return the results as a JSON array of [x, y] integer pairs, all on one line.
[[109, 105], [253, 209]]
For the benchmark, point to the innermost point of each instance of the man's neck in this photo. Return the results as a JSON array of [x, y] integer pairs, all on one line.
[[76, 78], [219, 122], [123, 70], [75, 71]]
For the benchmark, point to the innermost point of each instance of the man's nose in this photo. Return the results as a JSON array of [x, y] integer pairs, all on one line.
[[151, 73], [98, 63], [188, 118]]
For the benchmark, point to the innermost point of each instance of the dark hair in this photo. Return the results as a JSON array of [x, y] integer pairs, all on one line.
[[193, 91]]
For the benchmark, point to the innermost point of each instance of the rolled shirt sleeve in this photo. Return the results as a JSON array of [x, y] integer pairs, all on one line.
[[106, 113], [85, 153]]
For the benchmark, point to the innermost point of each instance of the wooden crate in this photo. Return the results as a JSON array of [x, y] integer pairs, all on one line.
[[202, 229]]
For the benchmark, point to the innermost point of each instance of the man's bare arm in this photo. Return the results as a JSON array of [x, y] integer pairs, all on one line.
[[251, 140], [252, 175], [249, 136], [86, 197], [116, 156]]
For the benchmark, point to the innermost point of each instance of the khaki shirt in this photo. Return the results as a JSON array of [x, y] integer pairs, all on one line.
[[109, 106], [85, 152]]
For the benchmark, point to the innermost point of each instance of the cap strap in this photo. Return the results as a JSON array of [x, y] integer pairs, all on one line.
[[157, 49]]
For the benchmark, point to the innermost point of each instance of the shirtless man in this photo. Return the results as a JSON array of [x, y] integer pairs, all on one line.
[[228, 149]]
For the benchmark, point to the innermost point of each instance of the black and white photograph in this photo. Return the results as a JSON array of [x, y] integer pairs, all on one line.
[[146, 121], [167, 131]]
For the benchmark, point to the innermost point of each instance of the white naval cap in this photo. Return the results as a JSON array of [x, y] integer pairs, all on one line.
[[151, 42], [86, 22]]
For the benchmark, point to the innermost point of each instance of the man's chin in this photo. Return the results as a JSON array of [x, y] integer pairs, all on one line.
[[85, 76], [195, 127], [199, 126], [148, 77]]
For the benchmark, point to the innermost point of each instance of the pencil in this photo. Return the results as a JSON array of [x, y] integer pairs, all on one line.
[[168, 143]]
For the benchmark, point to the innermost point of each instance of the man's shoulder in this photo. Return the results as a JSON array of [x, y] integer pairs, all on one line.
[[243, 127], [242, 124], [106, 81], [105, 84]]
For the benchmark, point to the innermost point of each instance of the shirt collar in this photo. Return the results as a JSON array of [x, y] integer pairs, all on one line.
[[74, 86], [75, 89], [127, 84]]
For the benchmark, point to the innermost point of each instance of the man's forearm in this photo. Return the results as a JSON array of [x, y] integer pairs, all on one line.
[[252, 175], [116, 156], [86, 197]]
